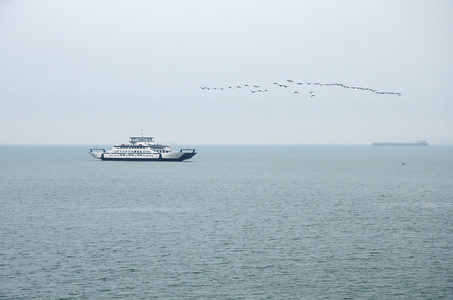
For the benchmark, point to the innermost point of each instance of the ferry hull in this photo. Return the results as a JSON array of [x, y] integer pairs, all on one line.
[[184, 156], [97, 152], [142, 148]]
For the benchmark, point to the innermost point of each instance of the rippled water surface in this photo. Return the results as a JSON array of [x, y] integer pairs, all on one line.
[[234, 222]]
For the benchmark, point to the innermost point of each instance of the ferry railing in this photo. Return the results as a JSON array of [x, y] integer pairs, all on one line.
[[187, 150]]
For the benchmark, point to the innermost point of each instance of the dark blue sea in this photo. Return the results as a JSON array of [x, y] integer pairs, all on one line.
[[234, 222]]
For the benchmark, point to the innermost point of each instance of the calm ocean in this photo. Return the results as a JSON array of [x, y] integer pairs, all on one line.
[[234, 222]]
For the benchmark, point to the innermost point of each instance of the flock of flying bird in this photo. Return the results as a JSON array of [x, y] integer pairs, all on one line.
[[290, 84]]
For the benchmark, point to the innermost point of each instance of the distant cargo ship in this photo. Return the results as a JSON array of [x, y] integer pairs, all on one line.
[[418, 143]]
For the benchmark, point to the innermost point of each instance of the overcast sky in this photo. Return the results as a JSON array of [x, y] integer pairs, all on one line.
[[95, 72]]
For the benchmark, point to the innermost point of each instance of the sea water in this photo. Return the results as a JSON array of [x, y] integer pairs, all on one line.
[[234, 222]]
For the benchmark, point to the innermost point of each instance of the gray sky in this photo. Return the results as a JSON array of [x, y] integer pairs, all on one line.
[[95, 72]]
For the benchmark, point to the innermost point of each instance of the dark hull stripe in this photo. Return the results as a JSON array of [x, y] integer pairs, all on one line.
[[183, 157]]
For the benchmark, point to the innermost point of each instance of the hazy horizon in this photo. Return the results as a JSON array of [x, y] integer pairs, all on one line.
[[174, 145]]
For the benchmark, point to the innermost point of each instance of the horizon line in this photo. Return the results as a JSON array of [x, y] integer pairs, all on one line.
[[220, 144]]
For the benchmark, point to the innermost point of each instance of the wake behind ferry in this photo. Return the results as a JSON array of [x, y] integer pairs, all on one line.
[[142, 148]]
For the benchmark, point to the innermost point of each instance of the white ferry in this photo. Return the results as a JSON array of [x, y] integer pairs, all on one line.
[[142, 148]]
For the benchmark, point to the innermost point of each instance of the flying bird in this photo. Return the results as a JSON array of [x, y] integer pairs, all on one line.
[[320, 84]]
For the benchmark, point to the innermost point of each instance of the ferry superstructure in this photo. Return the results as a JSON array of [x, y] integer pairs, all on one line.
[[142, 148]]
